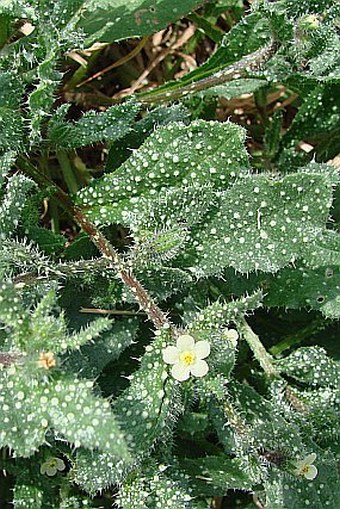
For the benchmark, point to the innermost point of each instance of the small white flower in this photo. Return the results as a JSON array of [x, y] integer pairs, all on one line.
[[232, 336], [305, 467], [187, 357], [52, 466]]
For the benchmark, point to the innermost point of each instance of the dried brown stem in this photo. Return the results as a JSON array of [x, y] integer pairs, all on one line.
[[187, 34], [6, 359], [121, 61], [118, 312], [295, 401]]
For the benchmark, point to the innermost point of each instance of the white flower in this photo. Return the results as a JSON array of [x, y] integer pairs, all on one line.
[[306, 468], [52, 466], [232, 336], [186, 357]]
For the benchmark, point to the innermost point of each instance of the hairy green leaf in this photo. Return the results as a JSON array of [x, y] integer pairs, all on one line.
[[264, 224], [202, 153], [312, 366], [93, 127]]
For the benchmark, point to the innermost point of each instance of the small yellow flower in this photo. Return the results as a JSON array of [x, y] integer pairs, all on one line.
[[52, 466], [187, 357], [46, 360], [305, 467]]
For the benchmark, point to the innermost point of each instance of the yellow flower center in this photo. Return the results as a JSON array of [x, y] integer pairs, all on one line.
[[187, 358], [305, 469]]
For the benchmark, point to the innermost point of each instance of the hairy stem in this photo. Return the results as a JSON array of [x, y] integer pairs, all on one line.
[[6, 359], [154, 313], [63, 270], [249, 63], [260, 353], [267, 363]]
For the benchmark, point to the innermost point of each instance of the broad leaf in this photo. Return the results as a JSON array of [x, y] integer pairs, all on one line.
[[204, 152], [112, 20]]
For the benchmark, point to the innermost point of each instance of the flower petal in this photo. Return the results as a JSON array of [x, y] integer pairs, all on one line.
[[51, 471], [311, 473], [232, 336], [170, 354], [43, 468], [60, 465], [199, 369], [180, 372], [310, 458], [185, 342], [299, 464], [202, 349]]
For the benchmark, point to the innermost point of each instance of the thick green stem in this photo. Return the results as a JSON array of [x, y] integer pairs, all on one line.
[[4, 30], [261, 104], [267, 363], [67, 171], [54, 213], [299, 336], [260, 353], [247, 64]]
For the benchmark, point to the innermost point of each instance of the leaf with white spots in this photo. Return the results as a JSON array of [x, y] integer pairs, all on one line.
[[92, 358], [311, 365], [26, 496], [220, 313], [24, 418], [164, 282], [160, 225], [95, 471], [148, 408], [14, 316], [318, 118], [33, 404], [6, 162], [11, 122], [265, 224], [83, 419], [298, 287], [120, 150], [152, 488], [42, 330], [174, 155], [323, 413], [323, 416], [325, 250], [12, 203], [93, 127], [284, 491], [265, 422], [215, 475]]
